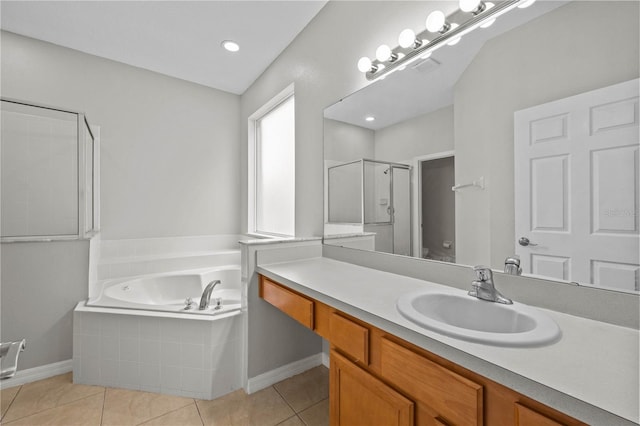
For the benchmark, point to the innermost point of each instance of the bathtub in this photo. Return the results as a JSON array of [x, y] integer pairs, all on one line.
[[137, 335], [169, 292]]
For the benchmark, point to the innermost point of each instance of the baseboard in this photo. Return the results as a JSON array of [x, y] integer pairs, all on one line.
[[264, 380], [37, 373]]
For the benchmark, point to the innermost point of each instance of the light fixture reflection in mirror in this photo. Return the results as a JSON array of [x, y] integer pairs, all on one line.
[[462, 101]]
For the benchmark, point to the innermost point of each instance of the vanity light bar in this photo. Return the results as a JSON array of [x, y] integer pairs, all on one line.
[[423, 48]]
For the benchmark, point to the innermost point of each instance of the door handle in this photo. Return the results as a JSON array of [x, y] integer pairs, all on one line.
[[524, 241]]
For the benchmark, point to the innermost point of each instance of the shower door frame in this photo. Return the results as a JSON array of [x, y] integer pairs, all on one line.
[[391, 221]]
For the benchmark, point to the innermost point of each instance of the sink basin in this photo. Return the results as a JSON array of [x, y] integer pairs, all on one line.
[[456, 314]]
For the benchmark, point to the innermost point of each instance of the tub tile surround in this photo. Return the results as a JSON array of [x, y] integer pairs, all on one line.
[[590, 374], [194, 358], [57, 401]]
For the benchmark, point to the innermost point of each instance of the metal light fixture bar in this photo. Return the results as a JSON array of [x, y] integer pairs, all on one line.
[[405, 56]]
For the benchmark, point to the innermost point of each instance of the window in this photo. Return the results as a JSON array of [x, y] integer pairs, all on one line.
[[272, 167]]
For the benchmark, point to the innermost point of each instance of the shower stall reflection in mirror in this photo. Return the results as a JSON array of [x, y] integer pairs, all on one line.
[[435, 207], [375, 197]]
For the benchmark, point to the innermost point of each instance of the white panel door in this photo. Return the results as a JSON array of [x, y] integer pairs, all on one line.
[[577, 189]]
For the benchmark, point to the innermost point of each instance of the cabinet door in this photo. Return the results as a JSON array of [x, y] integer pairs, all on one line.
[[527, 417], [358, 398], [450, 398]]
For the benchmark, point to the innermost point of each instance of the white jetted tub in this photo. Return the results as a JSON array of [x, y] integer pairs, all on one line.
[[171, 292], [137, 334]]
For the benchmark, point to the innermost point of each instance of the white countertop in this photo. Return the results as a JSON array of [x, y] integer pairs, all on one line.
[[593, 370]]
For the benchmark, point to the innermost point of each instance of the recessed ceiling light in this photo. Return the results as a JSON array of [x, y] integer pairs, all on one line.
[[370, 118], [231, 46]]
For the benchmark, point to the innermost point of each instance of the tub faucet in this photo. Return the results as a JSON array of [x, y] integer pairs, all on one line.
[[206, 295], [483, 287]]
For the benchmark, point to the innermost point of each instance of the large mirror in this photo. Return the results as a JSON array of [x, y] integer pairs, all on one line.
[[520, 140]]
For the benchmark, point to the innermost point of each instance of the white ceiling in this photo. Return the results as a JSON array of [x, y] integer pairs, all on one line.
[[176, 38]]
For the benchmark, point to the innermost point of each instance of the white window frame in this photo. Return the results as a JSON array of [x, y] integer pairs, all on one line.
[[281, 97]]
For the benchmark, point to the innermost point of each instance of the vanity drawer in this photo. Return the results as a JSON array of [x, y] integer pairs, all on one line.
[[455, 399], [296, 306], [350, 338], [527, 417]]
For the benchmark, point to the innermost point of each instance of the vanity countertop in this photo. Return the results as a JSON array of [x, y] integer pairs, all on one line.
[[591, 373]]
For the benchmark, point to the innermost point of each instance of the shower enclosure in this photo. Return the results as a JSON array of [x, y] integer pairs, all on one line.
[[375, 195], [49, 173]]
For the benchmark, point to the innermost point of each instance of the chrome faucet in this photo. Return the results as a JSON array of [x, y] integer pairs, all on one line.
[[483, 287], [206, 295], [512, 265]]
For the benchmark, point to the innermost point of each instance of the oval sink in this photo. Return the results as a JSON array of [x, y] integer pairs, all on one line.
[[459, 315]]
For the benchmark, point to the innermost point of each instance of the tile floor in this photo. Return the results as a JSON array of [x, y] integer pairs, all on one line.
[[298, 401]]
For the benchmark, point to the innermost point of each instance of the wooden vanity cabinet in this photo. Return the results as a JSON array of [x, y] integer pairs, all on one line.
[[378, 379], [291, 303], [527, 417], [442, 394], [351, 338], [359, 398]]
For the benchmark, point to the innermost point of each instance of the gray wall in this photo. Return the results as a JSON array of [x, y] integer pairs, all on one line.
[[346, 142], [426, 134], [321, 62], [169, 168], [169, 147], [557, 55], [41, 284]]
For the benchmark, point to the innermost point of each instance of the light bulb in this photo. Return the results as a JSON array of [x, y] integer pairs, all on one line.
[[364, 64], [437, 22], [454, 41], [525, 3], [470, 5], [407, 38], [488, 23], [231, 46], [426, 55], [383, 53], [370, 118]]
